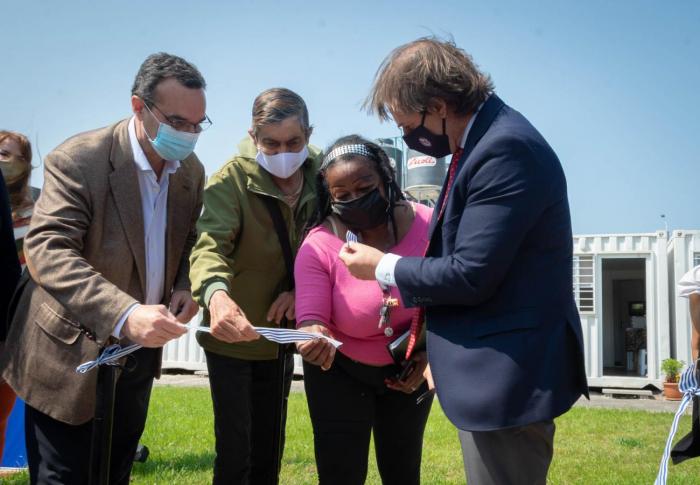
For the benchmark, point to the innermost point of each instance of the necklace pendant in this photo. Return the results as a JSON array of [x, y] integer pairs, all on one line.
[[388, 331]]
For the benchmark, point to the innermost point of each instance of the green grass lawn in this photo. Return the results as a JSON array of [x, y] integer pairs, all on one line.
[[593, 446]]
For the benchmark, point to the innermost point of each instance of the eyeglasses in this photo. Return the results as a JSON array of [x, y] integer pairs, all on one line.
[[181, 124]]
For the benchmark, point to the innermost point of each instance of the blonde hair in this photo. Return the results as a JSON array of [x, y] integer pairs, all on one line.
[[415, 74]]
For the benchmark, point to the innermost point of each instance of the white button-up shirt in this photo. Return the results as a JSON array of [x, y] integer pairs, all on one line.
[[690, 283], [154, 204]]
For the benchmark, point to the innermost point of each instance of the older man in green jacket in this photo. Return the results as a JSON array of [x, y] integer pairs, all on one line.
[[239, 277]]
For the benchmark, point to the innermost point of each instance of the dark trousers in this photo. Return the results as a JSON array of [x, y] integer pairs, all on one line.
[[348, 403], [244, 396], [59, 453], [512, 456]]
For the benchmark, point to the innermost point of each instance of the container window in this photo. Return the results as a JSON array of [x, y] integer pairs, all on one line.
[[584, 283]]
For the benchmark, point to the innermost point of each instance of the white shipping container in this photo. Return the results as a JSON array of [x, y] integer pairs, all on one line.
[[621, 289], [184, 352]]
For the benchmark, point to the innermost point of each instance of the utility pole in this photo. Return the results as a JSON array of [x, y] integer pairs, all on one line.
[[663, 218]]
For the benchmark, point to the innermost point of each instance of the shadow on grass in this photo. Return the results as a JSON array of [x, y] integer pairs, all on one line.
[[190, 462]]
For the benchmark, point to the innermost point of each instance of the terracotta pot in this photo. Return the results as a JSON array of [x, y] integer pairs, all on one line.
[[671, 392]]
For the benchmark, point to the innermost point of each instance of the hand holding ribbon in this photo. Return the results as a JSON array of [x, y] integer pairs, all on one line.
[[113, 353], [688, 385]]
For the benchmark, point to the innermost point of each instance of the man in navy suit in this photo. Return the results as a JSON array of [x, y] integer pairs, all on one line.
[[503, 332]]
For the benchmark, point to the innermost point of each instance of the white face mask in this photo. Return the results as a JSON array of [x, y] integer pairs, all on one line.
[[282, 165]]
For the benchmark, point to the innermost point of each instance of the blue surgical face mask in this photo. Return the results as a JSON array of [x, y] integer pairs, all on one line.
[[172, 144]]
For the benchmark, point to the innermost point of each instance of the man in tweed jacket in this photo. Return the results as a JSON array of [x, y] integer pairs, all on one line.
[[107, 253]]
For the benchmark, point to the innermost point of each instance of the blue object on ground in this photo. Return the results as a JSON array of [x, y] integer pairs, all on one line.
[[15, 454]]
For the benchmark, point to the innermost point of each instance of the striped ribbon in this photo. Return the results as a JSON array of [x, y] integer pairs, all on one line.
[[350, 237], [109, 356], [113, 353], [688, 385], [282, 335], [288, 336]]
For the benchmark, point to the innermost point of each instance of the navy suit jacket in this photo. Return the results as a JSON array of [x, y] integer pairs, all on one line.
[[9, 262], [503, 332]]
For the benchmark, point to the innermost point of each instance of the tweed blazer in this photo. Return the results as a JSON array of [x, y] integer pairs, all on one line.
[[86, 258]]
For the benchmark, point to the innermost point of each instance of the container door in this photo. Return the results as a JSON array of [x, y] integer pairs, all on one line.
[[624, 316]]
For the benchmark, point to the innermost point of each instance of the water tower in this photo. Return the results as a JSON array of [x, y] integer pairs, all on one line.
[[424, 176]]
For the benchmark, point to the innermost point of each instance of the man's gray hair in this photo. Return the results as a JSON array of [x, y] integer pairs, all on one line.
[[276, 105], [161, 66], [415, 74]]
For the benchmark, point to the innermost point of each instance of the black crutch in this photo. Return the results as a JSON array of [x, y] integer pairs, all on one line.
[[272, 205], [279, 418], [101, 444]]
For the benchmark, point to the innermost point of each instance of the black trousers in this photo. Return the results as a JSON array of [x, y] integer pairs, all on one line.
[[243, 393], [350, 401], [59, 453]]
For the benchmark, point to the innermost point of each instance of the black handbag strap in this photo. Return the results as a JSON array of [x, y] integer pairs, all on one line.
[[282, 234], [281, 229]]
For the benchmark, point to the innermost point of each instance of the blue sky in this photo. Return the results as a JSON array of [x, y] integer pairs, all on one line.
[[611, 85]]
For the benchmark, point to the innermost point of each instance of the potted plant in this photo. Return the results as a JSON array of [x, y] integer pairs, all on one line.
[[672, 369]]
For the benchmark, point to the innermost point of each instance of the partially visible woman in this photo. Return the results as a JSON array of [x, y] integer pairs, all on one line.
[[16, 167], [239, 276], [689, 287], [357, 391]]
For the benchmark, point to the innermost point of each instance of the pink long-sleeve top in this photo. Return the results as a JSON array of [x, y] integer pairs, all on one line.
[[328, 293]]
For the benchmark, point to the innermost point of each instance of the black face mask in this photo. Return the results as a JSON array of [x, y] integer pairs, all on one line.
[[425, 141], [365, 212]]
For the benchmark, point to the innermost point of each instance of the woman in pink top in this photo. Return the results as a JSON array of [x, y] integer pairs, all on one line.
[[356, 390]]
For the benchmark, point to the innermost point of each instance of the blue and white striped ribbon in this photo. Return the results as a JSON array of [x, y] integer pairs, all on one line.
[[350, 237], [288, 336], [688, 385], [284, 335], [113, 353], [109, 356]]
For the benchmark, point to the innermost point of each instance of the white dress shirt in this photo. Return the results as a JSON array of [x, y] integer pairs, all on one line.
[[689, 283], [384, 272], [154, 203]]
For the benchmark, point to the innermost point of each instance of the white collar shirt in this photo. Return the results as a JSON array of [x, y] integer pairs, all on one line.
[[154, 203], [689, 283], [463, 141]]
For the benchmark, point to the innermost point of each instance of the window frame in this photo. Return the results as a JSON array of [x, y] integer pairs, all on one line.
[[586, 287]]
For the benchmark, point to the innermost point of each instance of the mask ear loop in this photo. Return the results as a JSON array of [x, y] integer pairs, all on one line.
[[390, 210], [152, 140], [327, 209], [387, 191]]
